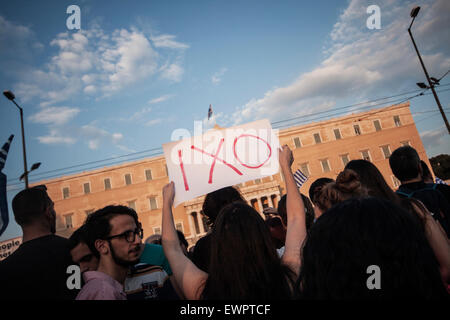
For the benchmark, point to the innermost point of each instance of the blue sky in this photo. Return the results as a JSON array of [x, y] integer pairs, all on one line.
[[138, 70]]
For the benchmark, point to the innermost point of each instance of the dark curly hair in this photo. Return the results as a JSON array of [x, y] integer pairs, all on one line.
[[361, 232], [98, 226]]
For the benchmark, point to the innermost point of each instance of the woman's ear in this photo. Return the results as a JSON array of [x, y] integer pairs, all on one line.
[[102, 246]]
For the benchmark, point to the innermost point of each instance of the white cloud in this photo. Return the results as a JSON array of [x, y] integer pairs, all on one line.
[[433, 137], [167, 41], [133, 59], [217, 77], [160, 99], [91, 61], [96, 136], [90, 89], [17, 41], [56, 137], [361, 62], [154, 122], [172, 72], [54, 115]]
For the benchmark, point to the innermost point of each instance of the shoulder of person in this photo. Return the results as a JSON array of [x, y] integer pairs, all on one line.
[[97, 289]]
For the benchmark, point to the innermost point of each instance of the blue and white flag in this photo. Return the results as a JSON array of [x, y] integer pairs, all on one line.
[[300, 178], [439, 181], [210, 112], [4, 217]]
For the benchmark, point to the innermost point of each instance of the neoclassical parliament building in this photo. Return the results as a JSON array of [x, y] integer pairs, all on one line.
[[321, 149]]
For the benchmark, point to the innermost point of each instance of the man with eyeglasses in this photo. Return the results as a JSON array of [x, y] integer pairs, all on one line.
[[114, 235], [37, 269]]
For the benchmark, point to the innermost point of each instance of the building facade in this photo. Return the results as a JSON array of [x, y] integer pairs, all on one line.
[[320, 149]]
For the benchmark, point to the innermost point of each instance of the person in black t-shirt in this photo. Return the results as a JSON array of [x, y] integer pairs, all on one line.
[[37, 269], [405, 165], [214, 202]]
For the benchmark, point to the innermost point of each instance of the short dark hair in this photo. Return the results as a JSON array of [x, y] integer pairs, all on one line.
[[78, 236], [30, 204], [182, 238], [316, 186], [98, 226], [404, 163], [216, 200], [309, 210]]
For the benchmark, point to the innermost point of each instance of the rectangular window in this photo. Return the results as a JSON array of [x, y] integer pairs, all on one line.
[[357, 129], [325, 165], [365, 155], [148, 175], [167, 170], [337, 134], [305, 169], [317, 138], [68, 221], [257, 181], [128, 179], [87, 188], [66, 193], [132, 205], [153, 204], [397, 121], [156, 230], [179, 226], [345, 159], [386, 151], [107, 182], [405, 143], [297, 142], [377, 125]]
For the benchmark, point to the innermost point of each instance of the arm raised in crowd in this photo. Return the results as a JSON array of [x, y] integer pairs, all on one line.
[[437, 239], [189, 278], [296, 225]]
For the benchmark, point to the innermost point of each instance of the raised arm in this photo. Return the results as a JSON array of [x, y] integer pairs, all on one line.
[[296, 225], [437, 238], [189, 278]]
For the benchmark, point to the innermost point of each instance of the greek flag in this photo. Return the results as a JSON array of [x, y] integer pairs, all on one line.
[[4, 217], [439, 181], [210, 112], [300, 178]]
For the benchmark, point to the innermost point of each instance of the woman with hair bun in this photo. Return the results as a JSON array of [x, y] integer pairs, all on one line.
[[346, 186]]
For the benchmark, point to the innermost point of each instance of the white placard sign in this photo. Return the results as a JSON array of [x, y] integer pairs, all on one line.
[[220, 158]]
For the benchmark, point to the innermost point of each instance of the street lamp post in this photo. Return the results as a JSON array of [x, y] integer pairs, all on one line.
[[413, 15], [10, 96]]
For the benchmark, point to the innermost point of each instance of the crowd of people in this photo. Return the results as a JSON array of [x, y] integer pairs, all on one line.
[[316, 247]]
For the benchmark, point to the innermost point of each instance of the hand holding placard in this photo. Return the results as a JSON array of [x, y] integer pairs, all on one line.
[[220, 158]]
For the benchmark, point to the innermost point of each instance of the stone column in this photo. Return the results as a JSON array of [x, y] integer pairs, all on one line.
[[260, 207], [269, 199], [191, 225], [200, 223]]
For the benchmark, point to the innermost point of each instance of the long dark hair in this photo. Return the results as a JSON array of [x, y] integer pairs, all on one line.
[[361, 232], [244, 263], [373, 180], [216, 200]]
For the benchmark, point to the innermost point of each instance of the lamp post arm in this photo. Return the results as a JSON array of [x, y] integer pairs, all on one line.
[[429, 81], [23, 146]]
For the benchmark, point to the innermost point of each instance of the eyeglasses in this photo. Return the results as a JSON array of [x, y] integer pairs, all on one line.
[[129, 235]]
